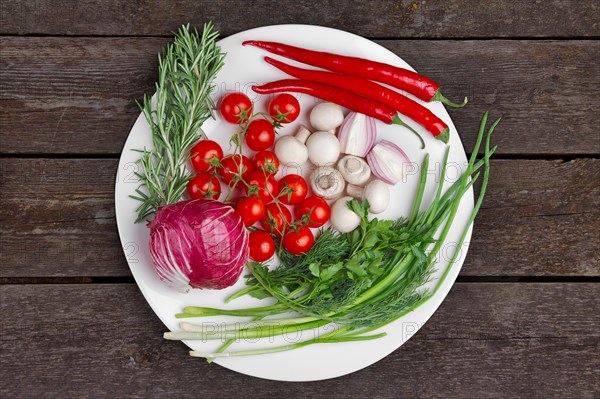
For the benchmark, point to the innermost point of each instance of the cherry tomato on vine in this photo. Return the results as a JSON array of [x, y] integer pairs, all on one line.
[[298, 242], [315, 208], [260, 135], [296, 188], [250, 209], [262, 246], [276, 218], [234, 165], [266, 161], [284, 108], [204, 185], [203, 152], [235, 107], [268, 188]]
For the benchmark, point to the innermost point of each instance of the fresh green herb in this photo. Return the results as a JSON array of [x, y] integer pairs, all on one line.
[[360, 280], [181, 105]]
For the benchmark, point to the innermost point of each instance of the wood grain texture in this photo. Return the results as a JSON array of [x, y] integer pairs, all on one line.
[[76, 95], [103, 340], [381, 18], [545, 92], [540, 218]]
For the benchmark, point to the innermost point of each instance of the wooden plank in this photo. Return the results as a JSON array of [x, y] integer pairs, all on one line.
[[540, 218], [381, 18], [539, 89], [76, 95], [103, 340], [69, 222]]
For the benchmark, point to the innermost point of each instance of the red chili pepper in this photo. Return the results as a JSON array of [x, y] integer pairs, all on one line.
[[418, 85], [404, 105], [336, 95]]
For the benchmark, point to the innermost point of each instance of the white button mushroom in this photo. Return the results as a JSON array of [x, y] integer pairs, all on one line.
[[291, 150], [326, 116], [354, 169], [342, 218], [327, 182], [376, 192], [323, 148]]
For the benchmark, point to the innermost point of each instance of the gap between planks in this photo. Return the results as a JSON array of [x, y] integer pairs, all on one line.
[[461, 279], [408, 38]]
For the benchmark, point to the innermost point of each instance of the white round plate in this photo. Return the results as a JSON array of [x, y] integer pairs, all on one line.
[[244, 66]]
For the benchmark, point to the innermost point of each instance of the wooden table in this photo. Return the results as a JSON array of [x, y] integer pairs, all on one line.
[[523, 320]]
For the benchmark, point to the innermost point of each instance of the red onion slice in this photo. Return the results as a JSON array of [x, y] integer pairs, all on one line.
[[357, 134], [388, 162]]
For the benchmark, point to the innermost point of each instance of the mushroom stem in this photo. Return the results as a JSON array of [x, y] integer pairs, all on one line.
[[325, 181], [353, 165], [354, 191], [302, 134], [355, 170]]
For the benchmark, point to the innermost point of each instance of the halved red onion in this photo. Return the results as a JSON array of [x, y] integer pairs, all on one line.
[[388, 162], [357, 134]]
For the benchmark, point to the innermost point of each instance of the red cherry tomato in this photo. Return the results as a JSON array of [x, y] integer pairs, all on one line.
[[268, 188], [298, 242], [266, 161], [284, 108], [262, 246], [204, 185], [250, 209], [203, 152], [298, 187], [276, 218], [316, 208], [235, 107], [234, 165], [260, 135]]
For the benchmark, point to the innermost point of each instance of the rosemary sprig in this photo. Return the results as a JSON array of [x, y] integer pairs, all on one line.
[[181, 105]]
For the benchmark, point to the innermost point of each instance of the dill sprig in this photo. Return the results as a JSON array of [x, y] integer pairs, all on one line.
[[182, 103], [339, 268]]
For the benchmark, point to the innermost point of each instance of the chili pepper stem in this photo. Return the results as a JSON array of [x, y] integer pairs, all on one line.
[[439, 97], [397, 121], [444, 136]]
